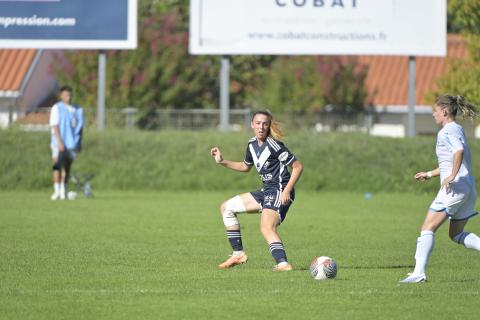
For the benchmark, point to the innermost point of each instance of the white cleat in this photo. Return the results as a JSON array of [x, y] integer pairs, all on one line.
[[415, 278], [55, 196]]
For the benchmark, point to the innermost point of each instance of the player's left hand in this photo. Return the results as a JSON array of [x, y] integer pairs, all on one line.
[[446, 183], [285, 197]]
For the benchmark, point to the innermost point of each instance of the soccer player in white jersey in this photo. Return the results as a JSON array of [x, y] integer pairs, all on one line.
[[457, 195], [271, 159], [66, 122]]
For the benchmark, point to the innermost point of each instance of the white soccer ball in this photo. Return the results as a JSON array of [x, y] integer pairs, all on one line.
[[323, 268], [71, 195]]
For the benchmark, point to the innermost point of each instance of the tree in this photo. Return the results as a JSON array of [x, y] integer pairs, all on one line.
[[292, 85], [306, 84], [160, 73], [463, 77]]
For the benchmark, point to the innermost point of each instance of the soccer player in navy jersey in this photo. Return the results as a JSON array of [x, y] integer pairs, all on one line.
[[271, 159]]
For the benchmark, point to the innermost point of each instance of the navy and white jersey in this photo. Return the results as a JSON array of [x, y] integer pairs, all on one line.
[[271, 160]]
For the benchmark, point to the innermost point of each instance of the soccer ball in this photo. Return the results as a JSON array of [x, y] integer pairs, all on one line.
[[323, 268], [71, 195]]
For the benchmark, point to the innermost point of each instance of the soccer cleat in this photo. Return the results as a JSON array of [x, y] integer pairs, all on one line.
[[283, 267], [55, 196], [415, 278], [233, 261]]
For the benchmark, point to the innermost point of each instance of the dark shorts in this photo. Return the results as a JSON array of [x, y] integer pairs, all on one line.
[[64, 157], [270, 199]]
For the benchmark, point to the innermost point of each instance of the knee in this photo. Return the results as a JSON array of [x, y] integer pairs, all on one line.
[[457, 236], [228, 213], [429, 227], [266, 228], [223, 206], [57, 166]]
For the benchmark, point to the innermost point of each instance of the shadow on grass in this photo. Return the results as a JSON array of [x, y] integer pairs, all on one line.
[[379, 267], [368, 267]]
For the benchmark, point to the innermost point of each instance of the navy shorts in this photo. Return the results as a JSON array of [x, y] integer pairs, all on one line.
[[270, 199]]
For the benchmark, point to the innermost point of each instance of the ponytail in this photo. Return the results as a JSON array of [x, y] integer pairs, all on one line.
[[454, 104], [275, 132], [468, 109]]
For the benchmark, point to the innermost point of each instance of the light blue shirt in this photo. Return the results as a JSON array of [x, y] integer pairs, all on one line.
[[70, 124]]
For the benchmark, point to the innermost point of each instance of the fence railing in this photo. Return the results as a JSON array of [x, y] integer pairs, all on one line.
[[373, 122], [177, 119]]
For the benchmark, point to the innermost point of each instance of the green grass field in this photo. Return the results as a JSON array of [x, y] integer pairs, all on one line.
[[132, 255]]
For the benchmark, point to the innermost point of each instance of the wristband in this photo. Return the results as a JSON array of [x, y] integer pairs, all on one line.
[[429, 174]]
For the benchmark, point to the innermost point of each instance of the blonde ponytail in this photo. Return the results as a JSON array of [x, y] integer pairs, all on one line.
[[467, 108], [275, 130], [453, 104]]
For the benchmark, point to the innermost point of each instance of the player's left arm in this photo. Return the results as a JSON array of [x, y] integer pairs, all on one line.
[[457, 162], [79, 129], [297, 169]]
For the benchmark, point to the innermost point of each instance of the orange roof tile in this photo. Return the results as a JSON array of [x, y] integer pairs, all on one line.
[[14, 65], [35, 118], [387, 79]]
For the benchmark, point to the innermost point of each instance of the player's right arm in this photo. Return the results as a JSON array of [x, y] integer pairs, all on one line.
[[54, 121], [422, 176], [236, 166], [56, 131]]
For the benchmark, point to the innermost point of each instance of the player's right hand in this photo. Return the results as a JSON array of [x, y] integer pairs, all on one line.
[[421, 176], [217, 154]]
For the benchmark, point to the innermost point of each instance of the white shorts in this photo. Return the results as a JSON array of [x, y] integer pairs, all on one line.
[[55, 153], [458, 204]]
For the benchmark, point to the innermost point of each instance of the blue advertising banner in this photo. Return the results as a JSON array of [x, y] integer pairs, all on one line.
[[68, 24]]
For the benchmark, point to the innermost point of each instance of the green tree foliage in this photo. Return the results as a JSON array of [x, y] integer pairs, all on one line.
[[292, 84], [158, 73], [464, 75], [464, 16], [161, 74], [307, 84], [344, 84]]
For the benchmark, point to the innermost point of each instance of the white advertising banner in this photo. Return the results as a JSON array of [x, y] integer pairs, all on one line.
[[318, 27]]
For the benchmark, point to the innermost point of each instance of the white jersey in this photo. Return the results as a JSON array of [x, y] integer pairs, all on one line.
[[450, 139]]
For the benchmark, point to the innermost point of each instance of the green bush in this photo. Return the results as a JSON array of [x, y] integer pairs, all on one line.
[[180, 160]]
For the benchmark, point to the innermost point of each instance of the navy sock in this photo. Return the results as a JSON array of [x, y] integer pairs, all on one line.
[[278, 252], [235, 239]]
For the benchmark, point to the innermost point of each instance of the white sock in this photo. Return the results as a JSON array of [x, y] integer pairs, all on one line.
[[237, 253], [472, 241], [63, 190], [56, 187], [425, 244]]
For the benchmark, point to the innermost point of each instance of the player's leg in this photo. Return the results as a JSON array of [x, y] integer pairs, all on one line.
[[442, 206], [425, 244], [269, 221], [272, 215], [66, 174], [229, 209], [56, 174], [468, 239], [458, 222]]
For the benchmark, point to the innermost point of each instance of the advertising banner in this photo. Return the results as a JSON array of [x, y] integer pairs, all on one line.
[[318, 27]]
